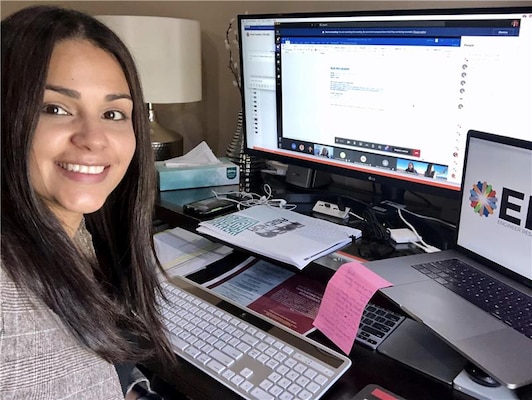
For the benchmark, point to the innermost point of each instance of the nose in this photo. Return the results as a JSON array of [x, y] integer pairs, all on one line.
[[90, 134]]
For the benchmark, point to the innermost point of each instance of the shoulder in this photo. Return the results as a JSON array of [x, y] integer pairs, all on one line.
[[40, 357], [14, 299]]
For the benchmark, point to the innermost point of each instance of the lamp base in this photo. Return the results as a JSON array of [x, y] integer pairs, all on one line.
[[165, 150], [165, 143]]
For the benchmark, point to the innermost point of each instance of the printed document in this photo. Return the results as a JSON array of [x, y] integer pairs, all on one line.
[[182, 252], [280, 234], [289, 298]]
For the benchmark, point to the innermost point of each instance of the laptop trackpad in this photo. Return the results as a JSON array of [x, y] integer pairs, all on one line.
[[506, 355], [442, 310]]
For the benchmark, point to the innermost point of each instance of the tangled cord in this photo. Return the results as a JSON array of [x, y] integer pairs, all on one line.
[[374, 230], [248, 199]]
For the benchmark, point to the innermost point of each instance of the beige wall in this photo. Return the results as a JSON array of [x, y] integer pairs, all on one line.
[[214, 118]]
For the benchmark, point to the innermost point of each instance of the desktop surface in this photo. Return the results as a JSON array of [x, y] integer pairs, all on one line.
[[368, 366]]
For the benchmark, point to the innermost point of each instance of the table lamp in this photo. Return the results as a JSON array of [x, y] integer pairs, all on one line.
[[167, 52]]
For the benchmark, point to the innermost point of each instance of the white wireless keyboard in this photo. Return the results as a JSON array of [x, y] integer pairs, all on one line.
[[252, 356]]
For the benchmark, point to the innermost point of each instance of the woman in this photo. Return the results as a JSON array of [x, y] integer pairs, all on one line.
[[78, 279], [429, 172], [411, 168]]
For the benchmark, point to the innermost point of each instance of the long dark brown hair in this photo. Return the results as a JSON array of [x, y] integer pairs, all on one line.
[[36, 251]]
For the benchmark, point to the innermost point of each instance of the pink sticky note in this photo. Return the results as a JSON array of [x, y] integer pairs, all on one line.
[[346, 295]]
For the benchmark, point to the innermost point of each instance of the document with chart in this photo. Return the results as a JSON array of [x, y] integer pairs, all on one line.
[[280, 234]]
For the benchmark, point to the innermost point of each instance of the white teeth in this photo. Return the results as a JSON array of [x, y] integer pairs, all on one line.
[[83, 169]]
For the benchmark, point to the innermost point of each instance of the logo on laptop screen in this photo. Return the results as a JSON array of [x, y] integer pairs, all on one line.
[[483, 200]]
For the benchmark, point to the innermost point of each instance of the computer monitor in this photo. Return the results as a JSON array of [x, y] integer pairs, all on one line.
[[385, 96]]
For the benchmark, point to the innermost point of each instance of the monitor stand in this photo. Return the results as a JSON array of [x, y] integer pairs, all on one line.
[[393, 193], [306, 177]]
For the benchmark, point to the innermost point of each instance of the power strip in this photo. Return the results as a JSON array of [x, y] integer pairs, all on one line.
[[330, 209]]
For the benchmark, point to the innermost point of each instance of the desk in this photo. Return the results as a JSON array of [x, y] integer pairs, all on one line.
[[369, 367]]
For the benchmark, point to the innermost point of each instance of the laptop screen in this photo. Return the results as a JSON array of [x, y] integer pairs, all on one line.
[[496, 209]]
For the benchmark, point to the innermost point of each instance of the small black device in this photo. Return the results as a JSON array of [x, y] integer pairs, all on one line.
[[209, 207]]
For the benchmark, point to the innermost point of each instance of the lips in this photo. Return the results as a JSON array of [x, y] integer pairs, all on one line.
[[82, 169]]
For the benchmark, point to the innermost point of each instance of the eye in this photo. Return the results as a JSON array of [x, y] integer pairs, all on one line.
[[115, 115], [54, 109]]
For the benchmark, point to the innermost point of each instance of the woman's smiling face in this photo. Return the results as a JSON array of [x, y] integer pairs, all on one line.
[[84, 140]]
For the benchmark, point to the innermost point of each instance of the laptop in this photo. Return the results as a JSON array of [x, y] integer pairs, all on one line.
[[494, 236]]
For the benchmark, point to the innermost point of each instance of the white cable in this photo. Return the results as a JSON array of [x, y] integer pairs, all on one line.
[[409, 225], [249, 199], [422, 216], [429, 249], [422, 244], [356, 216]]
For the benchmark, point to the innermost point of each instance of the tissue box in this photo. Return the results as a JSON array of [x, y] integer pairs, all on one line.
[[186, 177]]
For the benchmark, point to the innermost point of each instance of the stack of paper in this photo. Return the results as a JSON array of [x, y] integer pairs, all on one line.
[[280, 234], [181, 252]]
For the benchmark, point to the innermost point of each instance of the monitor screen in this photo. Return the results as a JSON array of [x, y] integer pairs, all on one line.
[[385, 96]]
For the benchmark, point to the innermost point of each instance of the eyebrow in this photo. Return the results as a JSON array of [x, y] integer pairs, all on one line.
[[77, 95], [64, 91]]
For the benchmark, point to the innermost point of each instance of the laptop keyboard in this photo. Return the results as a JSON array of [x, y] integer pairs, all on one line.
[[247, 354], [376, 325], [509, 305]]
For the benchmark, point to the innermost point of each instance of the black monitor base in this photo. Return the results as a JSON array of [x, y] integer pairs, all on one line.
[[393, 193], [306, 177]]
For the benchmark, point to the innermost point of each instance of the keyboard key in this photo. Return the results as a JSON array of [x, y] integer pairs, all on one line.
[[232, 352], [246, 386], [284, 383], [246, 372], [266, 384], [228, 374], [294, 389], [192, 351], [215, 366], [179, 343], [203, 358], [276, 391], [237, 379], [286, 396], [252, 341], [222, 357], [313, 387], [320, 379], [260, 394]]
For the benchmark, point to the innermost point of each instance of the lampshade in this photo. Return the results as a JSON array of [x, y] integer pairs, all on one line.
[[167, 53]]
